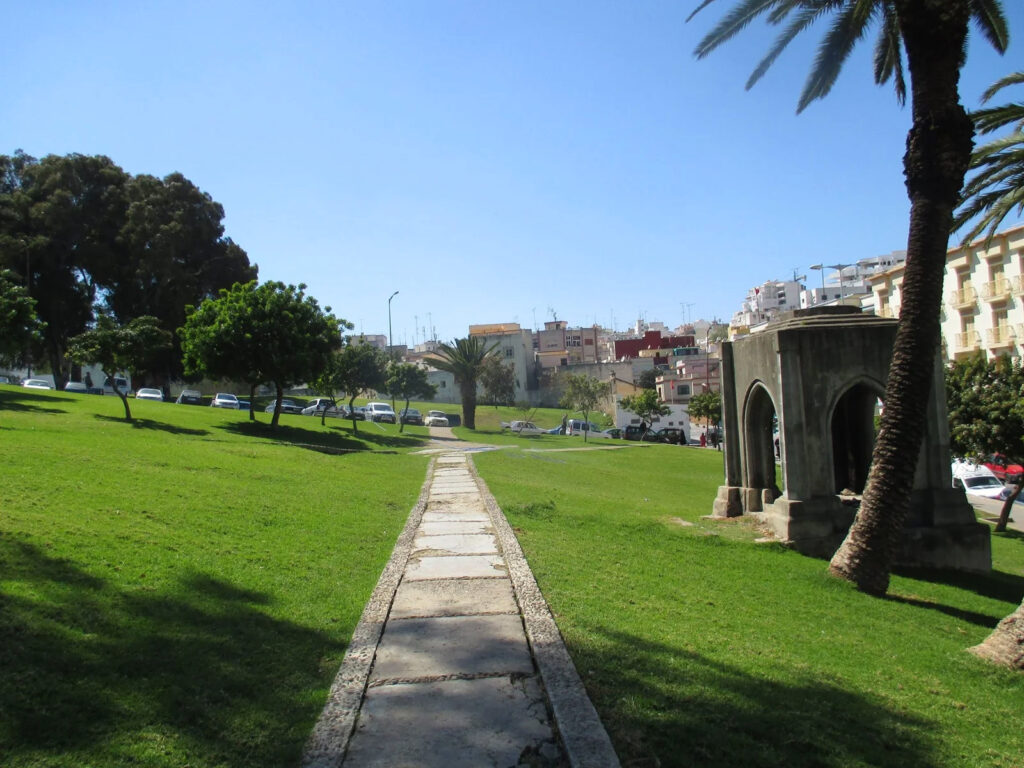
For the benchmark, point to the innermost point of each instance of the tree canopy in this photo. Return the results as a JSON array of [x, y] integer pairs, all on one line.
[[19, 324], [357, 368], [646, 404], [407, 381], [499, 381], [464, 359], [117, 348], [583, 393], [648, 379]]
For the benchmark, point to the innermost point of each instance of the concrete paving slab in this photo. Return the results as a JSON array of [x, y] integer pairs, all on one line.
[[417, 649], [453, 724], [456, 567], [453, 597], [456, 526], [456, 544], [458, 516]]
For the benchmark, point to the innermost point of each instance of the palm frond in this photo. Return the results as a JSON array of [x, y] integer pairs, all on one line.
[[995, 189], [732, 24], [803, 20], [889, 54], [994, 118], [850, 26], [1015, 78], [988, 15]]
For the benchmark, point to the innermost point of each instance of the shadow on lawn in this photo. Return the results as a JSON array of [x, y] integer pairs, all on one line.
[[670, 706], [29, 401], [158, 426], [336, 438], [200, 676]]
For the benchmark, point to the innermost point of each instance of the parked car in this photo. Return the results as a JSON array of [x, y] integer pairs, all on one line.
[[224, 400], [380, 412], [148, 393], [977, 480], [323, 406], [411, 416], [287, 406], [670, 435], [525, 428], [189, 397], [357, 413], [436, 419], [76, 386], [1003, 469], [36, 384], [6, 380], [123, 385], [578, 427]]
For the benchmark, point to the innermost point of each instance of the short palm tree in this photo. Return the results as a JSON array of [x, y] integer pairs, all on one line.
[[464, 359], [998, 185], [927, 39]]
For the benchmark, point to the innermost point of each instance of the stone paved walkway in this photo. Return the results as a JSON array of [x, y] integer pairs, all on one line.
[[457, 661]]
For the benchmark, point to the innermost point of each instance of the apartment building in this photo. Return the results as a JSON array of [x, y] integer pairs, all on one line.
[[558, 345], [515, 346], [764, 303], [983, 291]]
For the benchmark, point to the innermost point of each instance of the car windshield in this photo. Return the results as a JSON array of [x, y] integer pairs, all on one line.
[[436, 413], [982, 482], [145, 391], [222, 396]]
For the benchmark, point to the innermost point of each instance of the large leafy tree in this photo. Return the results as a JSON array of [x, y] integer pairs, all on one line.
[[986, 412], [646, 404], [261, 333], [499, 381], [707, 406], [59, 219], [173, 254], [582, 393], [927, 39], [997, 187], [464, 359], [117, 348], [19, 324], [407, 381]]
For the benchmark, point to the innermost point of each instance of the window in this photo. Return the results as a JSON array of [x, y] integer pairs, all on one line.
[[683, 389], [509, 352]]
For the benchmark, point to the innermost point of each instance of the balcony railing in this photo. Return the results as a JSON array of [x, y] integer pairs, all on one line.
[[965, 297], [997, 290], [1000, 336], [966, 340], [1017, 285], [887, 311]]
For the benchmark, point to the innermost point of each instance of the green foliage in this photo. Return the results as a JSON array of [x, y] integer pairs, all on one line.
[[117, 348], [986, 406], [464, 359], [19, 324], [407, 381], [648, 379], [997, 187], [261, 333], [499, 381], [645, 404], [583, 393], [706, 405], [357, 368]]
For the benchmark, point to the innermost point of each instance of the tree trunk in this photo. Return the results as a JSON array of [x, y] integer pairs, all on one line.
[[468, 390], [1006, 643], [277, 405], [401, 421], [938, 152], [252, 402], [123, 396], [352, 414], [1004, 513]]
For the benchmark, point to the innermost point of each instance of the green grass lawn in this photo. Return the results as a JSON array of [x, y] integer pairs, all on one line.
[[181, 590], [700, 647]]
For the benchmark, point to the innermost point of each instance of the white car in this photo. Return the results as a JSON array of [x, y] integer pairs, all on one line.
[[380, 412], [435, 419], [75, 386], [323, 405], [977, 480], [525, 428], [35, 384], [148, 393], [224, 400]]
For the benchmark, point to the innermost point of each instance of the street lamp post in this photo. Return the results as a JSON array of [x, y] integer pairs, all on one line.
[[821, 268], [839, 268], [390, 346]]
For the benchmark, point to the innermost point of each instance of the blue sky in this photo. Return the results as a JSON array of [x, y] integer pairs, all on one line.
[[491, 161]]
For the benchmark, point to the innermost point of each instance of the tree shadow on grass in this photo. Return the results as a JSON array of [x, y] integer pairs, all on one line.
[[335, 438], [997, 585], [29, 401], [665, 705], [103, 675], [158, 426]]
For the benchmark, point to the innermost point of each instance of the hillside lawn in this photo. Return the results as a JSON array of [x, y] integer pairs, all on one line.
[[180, 591]]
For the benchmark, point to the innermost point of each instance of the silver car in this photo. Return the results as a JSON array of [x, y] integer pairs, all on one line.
[[435, 419]]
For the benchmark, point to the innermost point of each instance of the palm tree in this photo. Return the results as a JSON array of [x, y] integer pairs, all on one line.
[[999, 184], [931, 35], [464, 359]]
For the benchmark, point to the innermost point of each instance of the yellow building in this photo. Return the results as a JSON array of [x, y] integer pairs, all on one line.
[[983, 297]]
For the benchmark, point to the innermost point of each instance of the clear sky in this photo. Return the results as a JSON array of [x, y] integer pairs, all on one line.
[[492, 161]]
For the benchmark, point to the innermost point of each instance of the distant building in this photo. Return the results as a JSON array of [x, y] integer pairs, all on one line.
[[653, 344], [764, 303], [983, 308], [558, 345], [515, 347], [849, 280]]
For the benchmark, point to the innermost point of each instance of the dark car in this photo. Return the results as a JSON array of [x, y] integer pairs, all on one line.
[[410, 416], [189, 397], [670, 435], [634, 431]]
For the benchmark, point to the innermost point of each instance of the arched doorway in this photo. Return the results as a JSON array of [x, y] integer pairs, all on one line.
[[759, 439], [853, 437]]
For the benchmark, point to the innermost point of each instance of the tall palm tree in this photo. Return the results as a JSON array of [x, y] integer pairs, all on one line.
[[464, 359], [998, 186], [931, 37]]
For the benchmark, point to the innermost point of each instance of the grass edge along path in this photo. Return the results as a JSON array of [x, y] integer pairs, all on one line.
[[180, 591], [699, 646]]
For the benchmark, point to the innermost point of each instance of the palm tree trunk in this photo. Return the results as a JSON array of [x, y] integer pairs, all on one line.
[[1006, 643], [938, 152], [468, 391]]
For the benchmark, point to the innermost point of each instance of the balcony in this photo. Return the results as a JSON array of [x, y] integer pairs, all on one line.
[[887, 311], [968, 340], [996, 291], [1017, 285], [1000, 336], [963, 299]]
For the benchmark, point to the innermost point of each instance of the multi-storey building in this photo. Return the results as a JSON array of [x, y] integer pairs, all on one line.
[[983, 290], [558, 345], [764, 303], [515, 347], [848, 280]]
